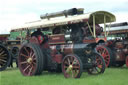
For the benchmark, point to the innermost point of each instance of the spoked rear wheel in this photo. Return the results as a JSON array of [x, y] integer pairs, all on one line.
[[106, 53], [98, 64], [31, 59], [5, 58], [72, 66]]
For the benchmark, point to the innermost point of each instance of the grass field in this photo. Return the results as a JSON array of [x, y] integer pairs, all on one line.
[[112, 76]]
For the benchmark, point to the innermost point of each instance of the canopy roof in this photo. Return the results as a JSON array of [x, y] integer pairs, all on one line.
[[118, 30], [99, 19]]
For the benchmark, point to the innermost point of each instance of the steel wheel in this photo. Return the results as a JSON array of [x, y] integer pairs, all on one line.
[[98, 64], [30, 60], [5, 58], [72, 66], [106, 53], [127, 61]]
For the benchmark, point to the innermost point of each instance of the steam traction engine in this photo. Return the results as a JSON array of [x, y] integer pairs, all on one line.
[[70, 47], [118, 43]]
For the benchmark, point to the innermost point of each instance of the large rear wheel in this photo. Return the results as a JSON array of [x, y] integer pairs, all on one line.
[[72, 66], [106, 53], [31, 59], [5, 58], [98, 64]]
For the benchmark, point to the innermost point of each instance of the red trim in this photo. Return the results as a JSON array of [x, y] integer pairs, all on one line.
[[99, 39], [89, 41]]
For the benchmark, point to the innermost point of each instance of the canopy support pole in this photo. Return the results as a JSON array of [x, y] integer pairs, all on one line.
[[90, 28], [105, 24], [108, 29], [94, 28]]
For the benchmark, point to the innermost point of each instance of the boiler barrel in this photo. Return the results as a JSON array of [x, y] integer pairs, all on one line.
[[75, 48], [72, 11]]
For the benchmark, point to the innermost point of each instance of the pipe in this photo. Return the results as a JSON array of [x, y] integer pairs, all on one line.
[[73, 11]]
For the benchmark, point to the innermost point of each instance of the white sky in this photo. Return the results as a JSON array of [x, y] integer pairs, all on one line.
[[16, 12]]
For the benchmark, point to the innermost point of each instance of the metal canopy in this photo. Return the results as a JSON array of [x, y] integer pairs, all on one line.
[[99, 19]]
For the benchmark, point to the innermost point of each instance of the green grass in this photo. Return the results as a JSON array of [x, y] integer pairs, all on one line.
[[112, 76]]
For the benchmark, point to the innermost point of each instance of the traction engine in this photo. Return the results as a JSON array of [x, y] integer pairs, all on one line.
[[69, 48], [118, 44]]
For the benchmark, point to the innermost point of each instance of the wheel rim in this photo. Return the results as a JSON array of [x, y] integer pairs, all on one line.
[[104, 53], [127, 61], [27, 61], [4, 58], [98, 65], [71, 66]]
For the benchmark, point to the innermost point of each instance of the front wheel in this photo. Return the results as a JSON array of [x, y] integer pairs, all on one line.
[[98, 64], [72, 66]]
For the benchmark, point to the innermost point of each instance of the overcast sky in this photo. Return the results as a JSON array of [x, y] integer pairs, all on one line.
[[16, 12]]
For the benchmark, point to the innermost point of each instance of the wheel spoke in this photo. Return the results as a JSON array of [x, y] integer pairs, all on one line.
[[30, 54], [2, 52], [30, 70], [26, 68], [34, 59], [26, 50], [24, 62], [73, 74], [73, 62], [2, 63], [3, 55], [66, 66], [97, 69], [24, 55], [99, 66], [76, 72], [3, 60], [34, 63], [100, 51], [33, 56], [68, 61], [75, 67]]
